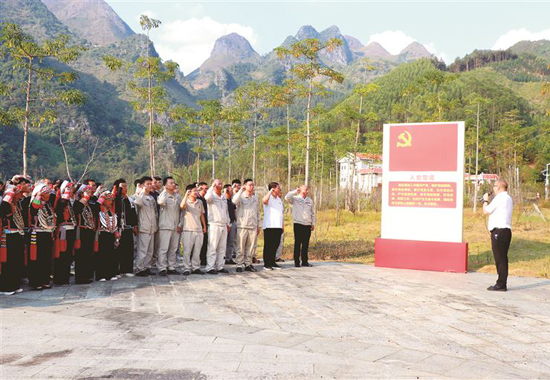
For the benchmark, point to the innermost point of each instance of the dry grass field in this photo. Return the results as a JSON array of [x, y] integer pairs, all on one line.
[[353, 240]]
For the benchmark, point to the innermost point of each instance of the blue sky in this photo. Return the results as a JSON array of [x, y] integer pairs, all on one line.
[[448, 29]]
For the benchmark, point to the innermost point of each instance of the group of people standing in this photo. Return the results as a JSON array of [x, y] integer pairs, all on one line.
[[108, 234]]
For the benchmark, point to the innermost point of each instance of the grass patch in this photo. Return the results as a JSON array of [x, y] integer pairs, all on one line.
[[353, 240]]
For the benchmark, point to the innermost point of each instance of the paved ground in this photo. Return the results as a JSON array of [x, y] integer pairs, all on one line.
[[334, 320]]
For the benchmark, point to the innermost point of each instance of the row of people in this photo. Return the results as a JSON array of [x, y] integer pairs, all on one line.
[[109, 234]]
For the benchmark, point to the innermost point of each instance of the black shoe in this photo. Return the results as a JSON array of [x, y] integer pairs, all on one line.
[[250, 268], [186, 273], [268, 268], [230, 262], [496, 288], [224, 271], [173, 271], [143, 273], [212, 271], [239, 270], [279, 261], [276, 266], [162, 273], [306, 265], [197, 271], [297, 265]]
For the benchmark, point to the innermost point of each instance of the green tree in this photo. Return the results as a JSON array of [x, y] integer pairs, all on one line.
[[285, 96], [210, 115], [254, 98], [149, 74], [232, 116], [308, 50], [44, 86]]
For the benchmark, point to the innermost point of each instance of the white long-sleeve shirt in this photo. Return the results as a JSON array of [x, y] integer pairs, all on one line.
[[273, 213], [500, 210]]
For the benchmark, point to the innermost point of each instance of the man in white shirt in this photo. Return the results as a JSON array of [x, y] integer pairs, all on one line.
[[303, 214], [500, 225], [273, 224], [218, 227]]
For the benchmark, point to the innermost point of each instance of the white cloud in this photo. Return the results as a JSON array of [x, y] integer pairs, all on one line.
[[392, 40], [189, 42], [516, 35], [439, 54]]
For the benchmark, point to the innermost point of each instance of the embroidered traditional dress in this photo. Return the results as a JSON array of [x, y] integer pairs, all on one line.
[[40, 265], [106, 261], [66, 236], [12, 246], [84, 244], [127, 220]]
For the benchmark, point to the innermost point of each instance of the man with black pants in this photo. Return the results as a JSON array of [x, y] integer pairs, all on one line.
[[500, 224], [273, 224], [303, 214], [203, 188]]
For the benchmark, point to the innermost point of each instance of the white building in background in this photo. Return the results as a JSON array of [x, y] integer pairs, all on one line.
[[367, 174]]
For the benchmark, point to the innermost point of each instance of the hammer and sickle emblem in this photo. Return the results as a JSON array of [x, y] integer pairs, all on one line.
[[404, 140]]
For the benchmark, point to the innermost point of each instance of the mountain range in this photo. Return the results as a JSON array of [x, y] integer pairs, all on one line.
[[108, 111]]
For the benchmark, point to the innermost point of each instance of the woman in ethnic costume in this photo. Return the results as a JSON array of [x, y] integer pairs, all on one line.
[[85, 236], [66, 234], [12, 245], [108, 237], [42, 237]]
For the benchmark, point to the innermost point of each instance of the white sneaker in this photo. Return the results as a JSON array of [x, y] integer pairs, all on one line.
[[266, 268], [114, 278], [102, 280], [118, 276], [129, 275], [18, 290], [7, 293]]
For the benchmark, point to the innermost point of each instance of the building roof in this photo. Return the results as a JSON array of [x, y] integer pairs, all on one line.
[[482, 176], [361, 156], [370, 171]]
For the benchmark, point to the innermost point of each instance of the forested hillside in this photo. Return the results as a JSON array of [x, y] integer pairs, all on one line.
[[108, 133]]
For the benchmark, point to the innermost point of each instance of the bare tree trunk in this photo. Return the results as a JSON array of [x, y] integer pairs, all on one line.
[[230, 146], [289, 170], [64, 153], [321, 187], [254, 147], [337, 180], [213, 142], [199, 154], [27, 117], [151, 113], [310, 94], [477, 159]]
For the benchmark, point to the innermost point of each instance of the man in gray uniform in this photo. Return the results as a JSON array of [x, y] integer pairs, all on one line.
[[170, 227], [303, 214], [147, 223], [218, 228], [248, 225]]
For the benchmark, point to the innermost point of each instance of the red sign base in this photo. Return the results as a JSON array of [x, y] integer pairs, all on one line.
[[421, 255]]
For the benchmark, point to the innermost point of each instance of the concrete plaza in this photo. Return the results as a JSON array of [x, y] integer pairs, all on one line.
[[334, 320]]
